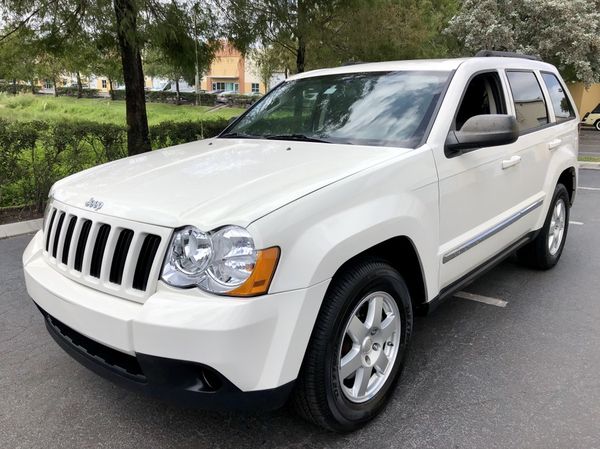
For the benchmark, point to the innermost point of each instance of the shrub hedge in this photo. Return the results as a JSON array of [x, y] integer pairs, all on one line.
[[73, 92], [171, 97], [10, 88], [35, 154]]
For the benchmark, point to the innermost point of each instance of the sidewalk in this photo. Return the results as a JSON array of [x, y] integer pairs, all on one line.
[[22, 227]]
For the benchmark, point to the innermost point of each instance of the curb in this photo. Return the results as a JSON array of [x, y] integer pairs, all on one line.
[[20, 228], [589, 165]]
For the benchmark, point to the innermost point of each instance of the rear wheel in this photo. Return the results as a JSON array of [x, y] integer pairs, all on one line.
[[545, 250], [597, 125], [357, 348]]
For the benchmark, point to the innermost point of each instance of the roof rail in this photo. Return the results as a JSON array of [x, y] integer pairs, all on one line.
[[505, 54]]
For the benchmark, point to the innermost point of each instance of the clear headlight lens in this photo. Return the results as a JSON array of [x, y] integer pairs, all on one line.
[[218, 262]]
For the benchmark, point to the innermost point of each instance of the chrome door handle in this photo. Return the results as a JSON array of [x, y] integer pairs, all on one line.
[[510, 162], [554, 144]]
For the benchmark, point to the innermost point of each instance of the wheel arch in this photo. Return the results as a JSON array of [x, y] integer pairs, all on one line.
[[401, 253], [568, 178]]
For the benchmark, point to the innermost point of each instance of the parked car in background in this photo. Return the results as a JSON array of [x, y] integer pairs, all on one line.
[[592, 118], [223, 97], [286, 258]]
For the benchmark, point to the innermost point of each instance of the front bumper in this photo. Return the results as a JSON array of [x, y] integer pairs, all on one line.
[[179, 337]]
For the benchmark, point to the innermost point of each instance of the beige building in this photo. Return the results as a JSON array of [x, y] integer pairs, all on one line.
[[231, 71], [585, 99]]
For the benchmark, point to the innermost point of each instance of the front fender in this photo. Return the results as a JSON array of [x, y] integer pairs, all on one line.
[[320, 232]]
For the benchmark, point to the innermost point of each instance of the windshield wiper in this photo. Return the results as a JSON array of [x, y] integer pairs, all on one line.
[[298, 137], [237, 135]]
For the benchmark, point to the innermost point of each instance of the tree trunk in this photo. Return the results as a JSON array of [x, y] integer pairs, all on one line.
[[301, 25], [177, 89], [138, 140], [15, 86], [32, 87], [55, 87], [111, 92], [79, 86], [300, 55]]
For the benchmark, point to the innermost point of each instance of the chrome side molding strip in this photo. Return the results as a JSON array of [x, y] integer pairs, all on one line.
[[490, 232]]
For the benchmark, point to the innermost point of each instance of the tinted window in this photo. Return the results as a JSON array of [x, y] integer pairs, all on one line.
[[560, 102], [596, 110], [387, 109], [483, 96], [529, 100]]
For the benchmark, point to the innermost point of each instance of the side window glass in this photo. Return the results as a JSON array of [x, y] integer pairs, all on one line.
[[529, 101], [483, 96], [563, 109]]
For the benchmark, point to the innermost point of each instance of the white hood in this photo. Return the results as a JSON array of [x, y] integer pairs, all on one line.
[[215, 182]]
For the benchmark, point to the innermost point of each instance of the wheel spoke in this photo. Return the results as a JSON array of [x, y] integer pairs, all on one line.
[[374, 312], [382, 363], [388, 327], [350, 363], [361, 382], [357, 330]]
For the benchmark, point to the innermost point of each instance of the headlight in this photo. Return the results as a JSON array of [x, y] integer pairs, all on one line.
[[224, 261]]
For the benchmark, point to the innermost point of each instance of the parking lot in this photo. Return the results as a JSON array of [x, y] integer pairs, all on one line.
[[479, 376], [589, 142]]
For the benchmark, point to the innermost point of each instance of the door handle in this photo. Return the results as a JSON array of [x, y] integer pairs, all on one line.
[[510, 162], [554, 144]]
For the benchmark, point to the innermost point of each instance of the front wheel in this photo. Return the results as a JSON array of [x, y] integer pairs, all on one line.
[[357, 348], [545, 250], [597, 125]]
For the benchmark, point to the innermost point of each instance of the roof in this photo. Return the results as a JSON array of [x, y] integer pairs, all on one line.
[[446, 65]]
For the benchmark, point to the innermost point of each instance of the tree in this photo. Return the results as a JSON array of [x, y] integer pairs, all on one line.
[[396, 29], [287, 24], [564, 33], [267, 61], [181, 44], [54, 22]]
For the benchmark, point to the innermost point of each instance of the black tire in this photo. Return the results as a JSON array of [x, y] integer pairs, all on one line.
[[536, 254], [597, 125], [317, 396]]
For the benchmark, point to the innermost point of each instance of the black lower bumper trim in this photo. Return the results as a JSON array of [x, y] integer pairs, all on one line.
[[177, 381]]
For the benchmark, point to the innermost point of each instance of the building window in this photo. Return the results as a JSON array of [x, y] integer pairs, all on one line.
[[48, 84], [103, 84], [218, 86], [255, 88]]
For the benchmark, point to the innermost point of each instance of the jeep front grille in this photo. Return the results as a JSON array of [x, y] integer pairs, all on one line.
[[113, 255]]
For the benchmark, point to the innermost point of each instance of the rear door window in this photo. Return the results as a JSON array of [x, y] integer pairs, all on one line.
[[563, 109], [528, 98]]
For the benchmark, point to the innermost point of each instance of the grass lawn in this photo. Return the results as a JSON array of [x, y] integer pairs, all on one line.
[[49, 108]]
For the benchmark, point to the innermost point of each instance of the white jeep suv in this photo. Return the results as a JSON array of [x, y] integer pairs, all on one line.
[[286, 258]]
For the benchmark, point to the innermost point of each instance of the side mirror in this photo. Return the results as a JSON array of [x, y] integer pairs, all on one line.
[[483, 131]]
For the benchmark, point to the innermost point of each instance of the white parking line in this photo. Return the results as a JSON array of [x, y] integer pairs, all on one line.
[[589, 188], [578, 223], [479, 298]]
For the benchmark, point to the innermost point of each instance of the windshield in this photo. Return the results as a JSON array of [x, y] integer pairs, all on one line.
[[384, 109]]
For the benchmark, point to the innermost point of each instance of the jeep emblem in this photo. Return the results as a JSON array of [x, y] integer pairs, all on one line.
[[94, 204]]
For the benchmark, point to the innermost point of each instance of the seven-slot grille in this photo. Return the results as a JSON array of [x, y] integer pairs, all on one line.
[[110, 254]]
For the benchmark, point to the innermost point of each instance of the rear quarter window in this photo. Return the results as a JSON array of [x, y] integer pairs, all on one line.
[[530, 106], [563, 109]]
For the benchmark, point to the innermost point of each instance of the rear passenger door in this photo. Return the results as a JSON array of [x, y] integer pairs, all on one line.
[[529, 170]]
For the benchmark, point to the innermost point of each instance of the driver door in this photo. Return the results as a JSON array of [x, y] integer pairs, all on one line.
[[473, 190]]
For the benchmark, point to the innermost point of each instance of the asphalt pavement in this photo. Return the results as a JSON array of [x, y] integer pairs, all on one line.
[[479, 376], [589, 142]]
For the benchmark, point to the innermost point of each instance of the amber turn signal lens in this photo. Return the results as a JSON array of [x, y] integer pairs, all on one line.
[[259, 281]]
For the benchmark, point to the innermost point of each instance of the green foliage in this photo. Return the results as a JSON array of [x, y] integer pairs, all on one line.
[[16, 88], [564, 33], [35, 154], [74, 92]]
